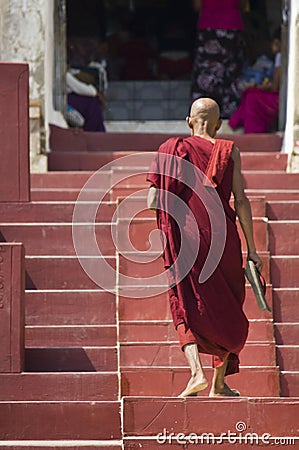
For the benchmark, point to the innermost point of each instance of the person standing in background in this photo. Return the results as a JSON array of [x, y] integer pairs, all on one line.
[[219, 55]]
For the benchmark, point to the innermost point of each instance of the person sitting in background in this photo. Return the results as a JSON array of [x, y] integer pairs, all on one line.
[[258, 111], [87, 100]]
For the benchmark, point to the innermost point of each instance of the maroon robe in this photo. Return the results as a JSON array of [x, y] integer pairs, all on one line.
[[209, 313]]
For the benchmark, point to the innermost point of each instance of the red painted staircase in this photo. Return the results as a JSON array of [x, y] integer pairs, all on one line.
[[103, 369]]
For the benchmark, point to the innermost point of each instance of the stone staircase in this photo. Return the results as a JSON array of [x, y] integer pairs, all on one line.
[[103, 368]]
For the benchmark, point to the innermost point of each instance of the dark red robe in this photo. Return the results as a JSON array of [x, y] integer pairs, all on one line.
[[209, 313]]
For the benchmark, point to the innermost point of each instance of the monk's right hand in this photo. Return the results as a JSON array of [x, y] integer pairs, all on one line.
[[253, 256]]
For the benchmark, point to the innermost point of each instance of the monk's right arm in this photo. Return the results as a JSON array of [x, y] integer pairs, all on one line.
[[152, 198], [243, 209]]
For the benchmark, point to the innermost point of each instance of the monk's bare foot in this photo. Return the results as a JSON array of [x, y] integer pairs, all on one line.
[[223, 391], [196, 384]]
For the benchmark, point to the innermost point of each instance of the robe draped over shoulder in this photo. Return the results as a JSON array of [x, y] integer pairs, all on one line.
[[209, 313]]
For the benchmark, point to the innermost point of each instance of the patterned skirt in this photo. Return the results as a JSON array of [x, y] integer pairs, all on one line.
[[217, 68]]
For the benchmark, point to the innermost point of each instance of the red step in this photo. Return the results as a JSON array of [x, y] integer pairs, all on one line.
[[127, 177], [275, 194], [285, 304], [264, 161], [269, 194], [161, 331], [65, 180], [76, 160], [283, 210], [139, 231], [284, 271], [258, 381], [149, 264], [270, 180], [150, 416], [131, 205], [170, 354], [288, 357], [70, 195], [287, 333], [283, 237], [289, 384], [65, 140], [70, 335], [57, 239], [66, 273], [58, 386], [53, 212], [58, 444], [156, 307], [71, 359], [60, 420], [82, 307]]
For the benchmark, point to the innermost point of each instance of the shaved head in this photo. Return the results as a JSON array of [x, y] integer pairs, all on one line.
[[205, 108], [204, 112]]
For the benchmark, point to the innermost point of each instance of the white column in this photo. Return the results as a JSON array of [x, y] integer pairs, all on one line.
[[292, 116], [51, 115]]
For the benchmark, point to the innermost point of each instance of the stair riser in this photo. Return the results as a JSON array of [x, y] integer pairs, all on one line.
[[66, 273], [137, 270], [283, 238], [66, 180], [72, 336], [67, 445], [62, 161], [71, 359], [289, 385], [155, 332], [269, 180], [272, 195], [251, 180], [42, 421], [148, 417], [171, 355], [157, 307], [63, 140], [70, 308], [58, 387], [288, 358], [286, 334], [131, 205], [139, 233], [284, 272], [58, 240], [47, 195], [285, 305], [250, 382], [283, 210], [50, 212]]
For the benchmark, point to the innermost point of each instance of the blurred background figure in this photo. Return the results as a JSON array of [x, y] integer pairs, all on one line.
[[258, 111], [219, 56]]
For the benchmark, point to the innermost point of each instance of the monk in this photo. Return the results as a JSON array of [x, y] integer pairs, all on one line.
[[208, 315]]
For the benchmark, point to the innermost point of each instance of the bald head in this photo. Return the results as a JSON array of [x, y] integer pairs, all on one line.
[[204, 113]]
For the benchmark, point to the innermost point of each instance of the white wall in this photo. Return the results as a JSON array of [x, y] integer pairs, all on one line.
[[26, 35]]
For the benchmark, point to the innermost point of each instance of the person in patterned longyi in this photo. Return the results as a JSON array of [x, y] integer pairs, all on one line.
[[219, 54]]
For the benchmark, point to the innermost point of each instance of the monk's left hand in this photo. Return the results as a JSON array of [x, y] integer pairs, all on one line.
[[253, 256]]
